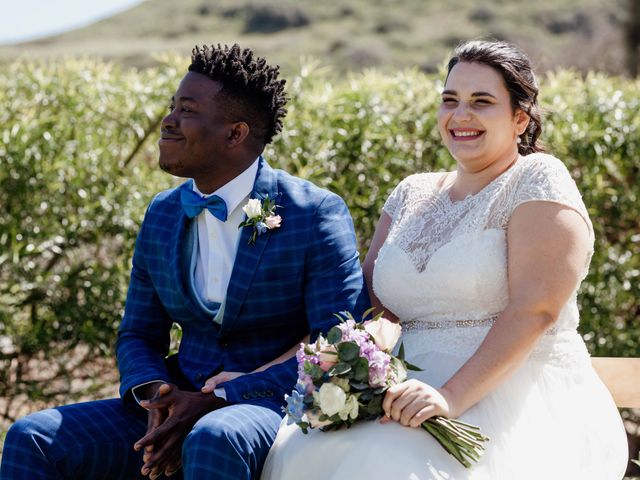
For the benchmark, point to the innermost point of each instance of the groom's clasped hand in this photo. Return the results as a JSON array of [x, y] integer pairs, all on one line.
[[172, 414]]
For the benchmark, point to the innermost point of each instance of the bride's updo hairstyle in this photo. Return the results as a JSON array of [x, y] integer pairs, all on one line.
[[515, 68]]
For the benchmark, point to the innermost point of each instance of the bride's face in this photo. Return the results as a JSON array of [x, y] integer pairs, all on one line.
[[476, 120]]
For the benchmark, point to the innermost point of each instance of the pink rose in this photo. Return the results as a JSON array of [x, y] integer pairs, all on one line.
[[273, 221], [328, 357], [385, 333]]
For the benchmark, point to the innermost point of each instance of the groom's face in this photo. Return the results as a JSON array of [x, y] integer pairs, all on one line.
[[194, 134]]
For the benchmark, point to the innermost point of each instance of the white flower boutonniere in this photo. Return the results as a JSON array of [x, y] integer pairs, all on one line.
[[261, 216]]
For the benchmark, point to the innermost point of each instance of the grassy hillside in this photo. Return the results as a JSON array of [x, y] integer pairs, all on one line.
[[352, 34]]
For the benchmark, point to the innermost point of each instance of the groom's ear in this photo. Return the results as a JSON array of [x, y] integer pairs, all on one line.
[[237, 134]]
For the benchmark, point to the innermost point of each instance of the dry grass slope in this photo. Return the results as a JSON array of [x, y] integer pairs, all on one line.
[[352, 34]]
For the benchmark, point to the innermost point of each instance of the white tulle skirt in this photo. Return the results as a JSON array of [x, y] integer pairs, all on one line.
[[544, 422]]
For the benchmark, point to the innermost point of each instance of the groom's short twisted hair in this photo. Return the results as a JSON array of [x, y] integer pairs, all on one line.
[[251, 91]]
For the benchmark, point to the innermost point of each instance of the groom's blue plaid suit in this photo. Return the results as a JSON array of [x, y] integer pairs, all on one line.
[[289, 282]]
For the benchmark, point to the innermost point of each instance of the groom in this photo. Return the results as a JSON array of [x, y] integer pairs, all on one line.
[[242, 296]]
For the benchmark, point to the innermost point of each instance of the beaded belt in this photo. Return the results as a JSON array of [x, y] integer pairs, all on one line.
[[412, 325]]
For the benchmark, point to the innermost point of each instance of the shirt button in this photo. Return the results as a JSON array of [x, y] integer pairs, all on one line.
[[215, 280]]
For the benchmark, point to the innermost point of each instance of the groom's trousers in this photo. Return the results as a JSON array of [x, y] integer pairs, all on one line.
[[94, 440]]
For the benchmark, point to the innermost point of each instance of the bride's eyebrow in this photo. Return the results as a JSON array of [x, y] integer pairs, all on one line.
[[483, 94]]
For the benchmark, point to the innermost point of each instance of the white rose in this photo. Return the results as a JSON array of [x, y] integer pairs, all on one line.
[[401, 372], [331, 399], [385, 333], [253, 208], [350, 408]]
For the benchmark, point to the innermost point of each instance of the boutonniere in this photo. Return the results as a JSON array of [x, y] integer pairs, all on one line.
[[261, 216]]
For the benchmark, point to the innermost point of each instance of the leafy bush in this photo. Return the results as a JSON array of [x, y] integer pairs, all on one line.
[[79, 166], [72, 197]]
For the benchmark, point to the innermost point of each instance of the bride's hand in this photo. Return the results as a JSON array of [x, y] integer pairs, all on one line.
[[216, 380], [412, 402]]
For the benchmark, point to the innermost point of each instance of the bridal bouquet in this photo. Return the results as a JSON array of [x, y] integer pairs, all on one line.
[[343, 379]]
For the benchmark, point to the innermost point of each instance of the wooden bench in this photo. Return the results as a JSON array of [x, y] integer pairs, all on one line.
[[622, 378]]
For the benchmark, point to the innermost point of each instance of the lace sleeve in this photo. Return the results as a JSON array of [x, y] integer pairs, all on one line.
[[396, 199], [545, 178]]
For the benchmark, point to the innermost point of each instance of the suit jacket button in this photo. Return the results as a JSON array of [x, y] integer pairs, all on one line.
[[199, 377], [269, 393], [246, 396]]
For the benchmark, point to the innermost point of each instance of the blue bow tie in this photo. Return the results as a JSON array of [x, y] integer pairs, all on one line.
[[193, 204]]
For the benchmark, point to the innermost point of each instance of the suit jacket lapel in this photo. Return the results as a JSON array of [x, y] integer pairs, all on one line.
[[248, 256]]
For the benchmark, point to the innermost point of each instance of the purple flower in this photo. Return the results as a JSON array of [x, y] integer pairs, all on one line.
[[295, 405], [261, 227], [379, 369], [302, 358]]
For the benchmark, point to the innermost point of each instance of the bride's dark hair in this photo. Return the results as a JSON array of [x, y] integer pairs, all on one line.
[[515, 68]]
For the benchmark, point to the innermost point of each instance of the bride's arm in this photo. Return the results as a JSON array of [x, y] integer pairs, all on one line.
[[380, 235], [548, 246], [213, 382]]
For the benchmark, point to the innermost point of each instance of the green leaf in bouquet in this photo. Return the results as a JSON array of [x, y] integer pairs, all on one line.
[[334, 335], [411, 366], [313, 370], [361, 370], [359, 386], [348, 351], [304, 426], [339, 369], [368, 311], [401, 351], [365, 397], [374, 407]]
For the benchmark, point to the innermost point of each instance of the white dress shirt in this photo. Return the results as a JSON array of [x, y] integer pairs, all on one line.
[[218, 241], [217, 247]]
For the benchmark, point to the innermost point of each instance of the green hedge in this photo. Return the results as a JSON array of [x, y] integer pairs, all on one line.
[[78, 156]]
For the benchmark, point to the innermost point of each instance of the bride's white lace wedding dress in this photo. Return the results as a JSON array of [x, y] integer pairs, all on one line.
[[443, 271]]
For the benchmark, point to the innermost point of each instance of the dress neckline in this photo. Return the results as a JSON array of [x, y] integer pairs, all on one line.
[[446, 190]]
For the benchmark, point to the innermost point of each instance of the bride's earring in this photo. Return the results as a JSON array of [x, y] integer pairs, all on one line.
[[518, 140]]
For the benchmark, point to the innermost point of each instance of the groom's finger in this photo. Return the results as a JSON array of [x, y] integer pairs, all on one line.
[[165, 457], [156, 436], [162, 399]]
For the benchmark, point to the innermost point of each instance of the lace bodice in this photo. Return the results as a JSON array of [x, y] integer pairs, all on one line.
[[443, 266]]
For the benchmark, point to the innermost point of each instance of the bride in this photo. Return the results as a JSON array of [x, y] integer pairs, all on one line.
[[481, 267]]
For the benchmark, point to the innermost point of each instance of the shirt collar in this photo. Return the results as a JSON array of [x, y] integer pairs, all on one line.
[[236, 190]]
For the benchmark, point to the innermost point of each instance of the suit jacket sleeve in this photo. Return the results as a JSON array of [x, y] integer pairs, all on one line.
[[143, 336], [333, 282]]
